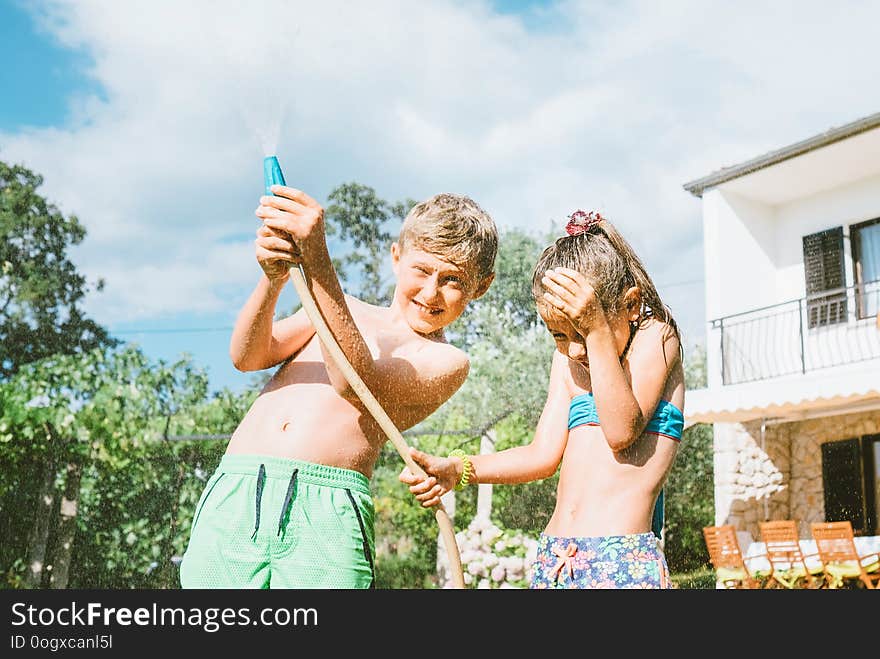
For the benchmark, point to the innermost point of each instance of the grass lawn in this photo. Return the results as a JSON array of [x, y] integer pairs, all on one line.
[[703, 578]]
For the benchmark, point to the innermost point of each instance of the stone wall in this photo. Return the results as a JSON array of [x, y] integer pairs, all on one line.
[[778, 476]]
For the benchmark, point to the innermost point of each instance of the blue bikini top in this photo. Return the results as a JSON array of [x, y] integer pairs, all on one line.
[[667, 419]]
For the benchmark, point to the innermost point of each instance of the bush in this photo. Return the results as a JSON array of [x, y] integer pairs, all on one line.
[[493, 557], [690, 501]]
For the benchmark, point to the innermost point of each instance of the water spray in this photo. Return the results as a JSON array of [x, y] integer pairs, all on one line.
[[273, 176]]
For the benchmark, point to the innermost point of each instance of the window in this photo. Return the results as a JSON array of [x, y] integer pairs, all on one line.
[[851, 481], [824, 271], [866, 267]]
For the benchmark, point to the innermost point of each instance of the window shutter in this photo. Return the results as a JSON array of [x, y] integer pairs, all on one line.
[[824, 271]]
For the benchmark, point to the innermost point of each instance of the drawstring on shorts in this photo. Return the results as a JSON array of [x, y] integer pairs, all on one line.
[[261, 480], [287, 498], [565, 558], [285, 507]]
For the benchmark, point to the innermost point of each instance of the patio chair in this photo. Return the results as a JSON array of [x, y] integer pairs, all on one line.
[[840, 557], [789, 567], [731, 568]]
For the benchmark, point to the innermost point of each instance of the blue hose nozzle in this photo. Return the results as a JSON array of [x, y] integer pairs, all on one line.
[[272, 173]]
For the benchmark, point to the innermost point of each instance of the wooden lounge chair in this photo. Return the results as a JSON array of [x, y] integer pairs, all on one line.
[[840, 558], [789, 567], [731, 569]]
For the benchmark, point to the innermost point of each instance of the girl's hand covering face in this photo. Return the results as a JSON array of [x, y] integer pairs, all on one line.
[[568, 292]]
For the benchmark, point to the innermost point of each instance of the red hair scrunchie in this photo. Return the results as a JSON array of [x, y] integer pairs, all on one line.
[[581, 222]]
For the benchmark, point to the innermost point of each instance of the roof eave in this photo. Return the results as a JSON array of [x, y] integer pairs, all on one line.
[[698, 186]]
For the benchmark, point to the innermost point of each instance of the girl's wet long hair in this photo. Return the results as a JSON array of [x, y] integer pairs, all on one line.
[[597, 250]]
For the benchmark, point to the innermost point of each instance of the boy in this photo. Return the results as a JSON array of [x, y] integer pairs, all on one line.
[[301, 459]]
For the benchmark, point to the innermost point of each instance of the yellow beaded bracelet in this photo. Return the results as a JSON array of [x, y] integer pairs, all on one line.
[[467, 469]]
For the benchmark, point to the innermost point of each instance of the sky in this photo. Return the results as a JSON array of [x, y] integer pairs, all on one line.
[[149, 122]]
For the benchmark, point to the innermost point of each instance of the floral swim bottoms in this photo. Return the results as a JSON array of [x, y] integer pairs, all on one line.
[[617, 561]]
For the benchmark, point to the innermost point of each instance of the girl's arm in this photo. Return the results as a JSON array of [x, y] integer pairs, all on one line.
[[521, 464], [625, 405]]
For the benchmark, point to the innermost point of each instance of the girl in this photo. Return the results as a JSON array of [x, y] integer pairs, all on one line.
[[611, 423]]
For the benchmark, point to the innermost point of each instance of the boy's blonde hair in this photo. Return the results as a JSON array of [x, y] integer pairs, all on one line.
[[455, 228]]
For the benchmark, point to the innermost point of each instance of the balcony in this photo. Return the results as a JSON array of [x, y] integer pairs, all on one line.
[[826, 330]]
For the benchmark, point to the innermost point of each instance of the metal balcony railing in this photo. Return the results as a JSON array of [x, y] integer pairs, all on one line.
[[818, 331]]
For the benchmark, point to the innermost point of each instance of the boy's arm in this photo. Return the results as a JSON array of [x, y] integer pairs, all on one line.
[[257, 342], [297, 214], [409, 385], [520, 464]]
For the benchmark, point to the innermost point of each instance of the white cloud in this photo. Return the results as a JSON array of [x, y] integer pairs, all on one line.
[[613, 106], [198, 282]]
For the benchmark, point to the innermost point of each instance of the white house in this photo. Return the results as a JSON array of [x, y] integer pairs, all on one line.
[[792, 263]]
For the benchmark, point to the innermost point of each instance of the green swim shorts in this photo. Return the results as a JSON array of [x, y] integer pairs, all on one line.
[[267, 522]]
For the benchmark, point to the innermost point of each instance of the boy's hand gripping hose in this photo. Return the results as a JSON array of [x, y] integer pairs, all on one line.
[[273, 175]]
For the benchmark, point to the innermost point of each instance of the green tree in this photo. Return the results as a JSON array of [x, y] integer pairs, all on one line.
[[508, 302], [368, 225], [90, 482], [40, 288]]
